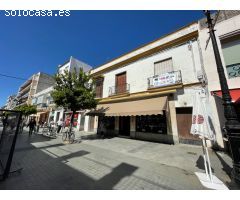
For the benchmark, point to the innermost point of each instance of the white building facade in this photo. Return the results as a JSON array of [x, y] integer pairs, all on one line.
[[148, 93]]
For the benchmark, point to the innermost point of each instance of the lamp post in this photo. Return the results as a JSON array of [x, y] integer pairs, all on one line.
[[232, 124]]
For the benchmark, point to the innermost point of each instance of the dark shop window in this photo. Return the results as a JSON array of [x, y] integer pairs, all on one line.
[[152, 124]]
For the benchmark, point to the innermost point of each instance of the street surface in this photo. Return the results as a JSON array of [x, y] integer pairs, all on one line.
[[115, 163]]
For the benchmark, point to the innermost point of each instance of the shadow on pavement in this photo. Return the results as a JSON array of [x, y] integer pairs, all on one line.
[[228, 170], [43, 169], [108, 181], [200, 163], [95, 137]]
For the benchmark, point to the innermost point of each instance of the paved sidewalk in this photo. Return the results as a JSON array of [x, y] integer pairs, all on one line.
[[115, 163]]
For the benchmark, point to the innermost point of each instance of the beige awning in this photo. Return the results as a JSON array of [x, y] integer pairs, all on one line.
[[151, 106]]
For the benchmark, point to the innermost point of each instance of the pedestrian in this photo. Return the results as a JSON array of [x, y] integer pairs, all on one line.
[[38, 125], [31, 126], [59, 125], [51, 125]]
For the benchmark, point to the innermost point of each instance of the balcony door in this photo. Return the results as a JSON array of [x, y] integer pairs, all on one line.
[[99, 87], [121, 83]]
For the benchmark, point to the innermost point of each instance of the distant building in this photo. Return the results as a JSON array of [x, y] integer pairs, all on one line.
[[60, 113], [45, 105], [72, 63], [33, 85], [11, 102]]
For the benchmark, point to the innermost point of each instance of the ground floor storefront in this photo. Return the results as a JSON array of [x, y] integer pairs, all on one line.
[[151, 119], [218, 110], [81, 121], [42, 117]]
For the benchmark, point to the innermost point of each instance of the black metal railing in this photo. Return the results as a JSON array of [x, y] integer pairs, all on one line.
[[119, 89], [165, 79]]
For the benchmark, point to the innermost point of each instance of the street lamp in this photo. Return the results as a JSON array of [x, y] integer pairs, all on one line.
[[232, 124]]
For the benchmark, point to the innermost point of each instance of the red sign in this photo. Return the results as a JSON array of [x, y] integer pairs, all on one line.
[[68, 119], [198, 120]]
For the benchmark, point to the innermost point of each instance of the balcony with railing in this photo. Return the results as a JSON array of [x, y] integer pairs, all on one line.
[[119, 89], [41, 105], [166, 79], [26, 84]]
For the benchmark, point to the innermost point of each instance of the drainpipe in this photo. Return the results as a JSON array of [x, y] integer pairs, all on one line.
[[190, 47]]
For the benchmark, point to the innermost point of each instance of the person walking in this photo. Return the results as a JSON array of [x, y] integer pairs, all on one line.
[[31, 126], [38, 125], [59, 125], [51, 125]]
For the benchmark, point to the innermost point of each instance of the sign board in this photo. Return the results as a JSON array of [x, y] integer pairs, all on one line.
[[165, 79]]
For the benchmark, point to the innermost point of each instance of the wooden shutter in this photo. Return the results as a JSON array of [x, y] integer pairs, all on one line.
[[121, 83], [163, 67], [99, 88]]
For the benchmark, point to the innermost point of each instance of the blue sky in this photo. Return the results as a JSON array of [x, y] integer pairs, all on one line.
[[32, 44]]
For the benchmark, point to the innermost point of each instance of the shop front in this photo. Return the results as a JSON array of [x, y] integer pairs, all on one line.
[[145, 119], [42, 116], [235, 95], [81, 122]]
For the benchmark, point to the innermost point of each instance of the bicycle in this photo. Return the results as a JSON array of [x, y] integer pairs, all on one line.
[[49, 131], [68, 137], [45, 130]]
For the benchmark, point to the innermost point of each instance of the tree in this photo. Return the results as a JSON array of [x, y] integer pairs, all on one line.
[[74, 91], [27, 109]]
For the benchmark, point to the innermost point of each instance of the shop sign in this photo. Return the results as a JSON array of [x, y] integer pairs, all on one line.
[[68, 119], [165, 79]]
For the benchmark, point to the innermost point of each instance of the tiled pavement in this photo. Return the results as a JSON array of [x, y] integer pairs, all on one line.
[[115, 163]]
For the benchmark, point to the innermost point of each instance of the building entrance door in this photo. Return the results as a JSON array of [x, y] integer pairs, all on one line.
[[91, 124], [124, 126], [184, 122], [57, 117]]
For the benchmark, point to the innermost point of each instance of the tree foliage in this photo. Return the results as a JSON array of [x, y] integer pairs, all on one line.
[[27, 109], [74, 91]]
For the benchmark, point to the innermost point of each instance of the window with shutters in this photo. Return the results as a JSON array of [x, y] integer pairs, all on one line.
[[121, 83], [99, 87], [163, 66], [231, 49]]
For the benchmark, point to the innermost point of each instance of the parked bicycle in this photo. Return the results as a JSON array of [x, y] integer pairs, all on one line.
[[68, 136], [50, 131]]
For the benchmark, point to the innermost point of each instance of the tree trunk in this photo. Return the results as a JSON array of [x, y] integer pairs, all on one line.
[[71, 122]]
